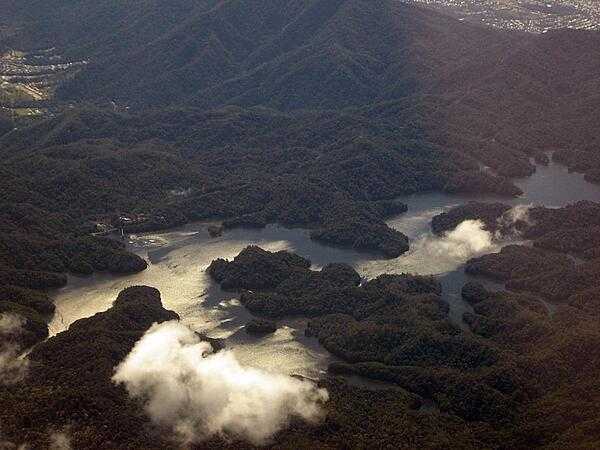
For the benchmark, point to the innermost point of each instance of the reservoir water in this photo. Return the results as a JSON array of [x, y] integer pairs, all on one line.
[[178, 259]]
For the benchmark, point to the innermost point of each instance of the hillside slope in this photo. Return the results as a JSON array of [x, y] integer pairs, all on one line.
[[500, 97], [302, 112]]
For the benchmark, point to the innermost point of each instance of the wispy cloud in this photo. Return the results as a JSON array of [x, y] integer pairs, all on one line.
[[200, 394]]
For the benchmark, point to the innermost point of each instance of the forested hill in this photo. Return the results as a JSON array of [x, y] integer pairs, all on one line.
[[315, 113], [495, 95]]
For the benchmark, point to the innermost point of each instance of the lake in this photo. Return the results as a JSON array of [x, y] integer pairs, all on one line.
[[178, 259]]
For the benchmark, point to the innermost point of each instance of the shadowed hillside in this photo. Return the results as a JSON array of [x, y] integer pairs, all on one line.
[[497, 96]]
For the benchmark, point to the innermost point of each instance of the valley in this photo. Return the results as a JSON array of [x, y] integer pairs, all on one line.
[[299, 224]]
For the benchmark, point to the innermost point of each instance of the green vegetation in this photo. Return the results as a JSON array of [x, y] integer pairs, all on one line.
[[310, 170], [395, 329], [316, 113], [79, 364], [515, 261], [487, 213], [260, 326]]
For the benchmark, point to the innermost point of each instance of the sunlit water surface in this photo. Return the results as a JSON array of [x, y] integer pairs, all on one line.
[[178, 259]]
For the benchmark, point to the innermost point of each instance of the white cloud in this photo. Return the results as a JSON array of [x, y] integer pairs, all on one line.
[[11, 324], [467, 240], [13, 367], [200, 394], [508, 223]]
